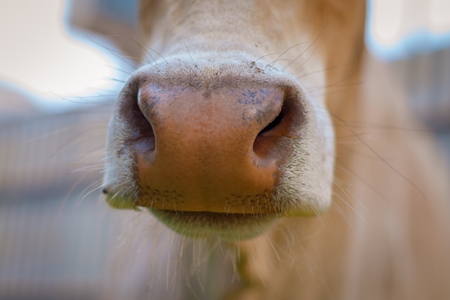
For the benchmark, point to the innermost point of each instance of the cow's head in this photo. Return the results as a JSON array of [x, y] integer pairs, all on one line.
[[220, 132]]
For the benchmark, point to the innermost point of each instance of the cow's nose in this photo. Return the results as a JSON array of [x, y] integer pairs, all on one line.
[[203, 150]]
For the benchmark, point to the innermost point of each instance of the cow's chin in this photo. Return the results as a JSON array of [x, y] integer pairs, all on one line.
[[226, 226]]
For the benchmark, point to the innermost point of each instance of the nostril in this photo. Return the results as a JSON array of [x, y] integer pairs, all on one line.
[[269, 136], [286, 124], [145, 135], [137, 114], [272, 125], [149, 141]]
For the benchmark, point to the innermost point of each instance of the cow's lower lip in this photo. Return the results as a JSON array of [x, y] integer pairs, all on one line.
[[210, 224]]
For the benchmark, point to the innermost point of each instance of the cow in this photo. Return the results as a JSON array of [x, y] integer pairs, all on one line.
[[254, 177]]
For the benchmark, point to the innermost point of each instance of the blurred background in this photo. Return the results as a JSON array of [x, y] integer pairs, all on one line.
[[62, 64]]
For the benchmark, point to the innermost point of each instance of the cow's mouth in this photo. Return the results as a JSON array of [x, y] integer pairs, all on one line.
[[229, 226]]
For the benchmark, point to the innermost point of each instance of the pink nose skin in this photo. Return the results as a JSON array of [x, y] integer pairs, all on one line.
[[211, 151]]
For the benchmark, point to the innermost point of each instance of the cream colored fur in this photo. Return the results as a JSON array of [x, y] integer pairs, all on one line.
[[386, 233]]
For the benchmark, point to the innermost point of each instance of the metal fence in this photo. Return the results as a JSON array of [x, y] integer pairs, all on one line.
[[55, 230]]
